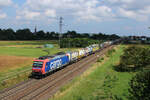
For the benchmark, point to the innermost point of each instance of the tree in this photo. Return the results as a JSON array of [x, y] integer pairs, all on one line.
[[140, 86], [134, 58], [85, 35], [40, 35], [53, 35], [24, 34], [10, 34], [76, 42]]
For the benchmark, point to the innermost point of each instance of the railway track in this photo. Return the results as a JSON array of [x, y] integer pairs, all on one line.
[[43, 89]]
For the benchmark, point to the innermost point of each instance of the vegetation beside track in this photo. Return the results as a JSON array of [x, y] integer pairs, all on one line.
[[14, 79], [134, 58], [78, 42], [100, 82], [16, 59]]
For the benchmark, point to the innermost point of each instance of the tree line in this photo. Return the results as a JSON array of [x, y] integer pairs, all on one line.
[[134, 58], [77, 42], [26, 34]]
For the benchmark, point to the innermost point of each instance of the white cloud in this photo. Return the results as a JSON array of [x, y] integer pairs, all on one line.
[[121, 1], [146, 10], [78, 9], [105, 11], [4, 3], [98, 14], [133, 15], [29, 15], [3, 15], [50, 13], [84, 10], [132, 9]]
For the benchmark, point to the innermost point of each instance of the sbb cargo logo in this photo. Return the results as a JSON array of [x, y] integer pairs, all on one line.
[[56, 64]]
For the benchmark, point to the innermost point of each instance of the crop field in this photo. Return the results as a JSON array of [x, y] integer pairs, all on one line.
[[6, 62], [100, 82], [17, 56]]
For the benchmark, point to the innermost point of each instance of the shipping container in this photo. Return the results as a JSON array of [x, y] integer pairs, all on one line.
[[73, 56], [81, 53], [56, 62]]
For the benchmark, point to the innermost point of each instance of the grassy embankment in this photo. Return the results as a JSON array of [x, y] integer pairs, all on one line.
[[100, 82], [17, 56]]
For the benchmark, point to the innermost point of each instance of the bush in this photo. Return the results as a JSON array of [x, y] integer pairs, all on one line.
[[140, 86], [77, 42], [100, 59], [110, 52], [105, 92], [134, 58]]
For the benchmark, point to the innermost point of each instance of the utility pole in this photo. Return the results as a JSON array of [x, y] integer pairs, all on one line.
[[68, 36], [35, 30], [60, 28]]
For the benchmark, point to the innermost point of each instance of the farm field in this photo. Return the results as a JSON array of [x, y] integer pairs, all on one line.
[[100, 82], [28, 48], [17, 56]]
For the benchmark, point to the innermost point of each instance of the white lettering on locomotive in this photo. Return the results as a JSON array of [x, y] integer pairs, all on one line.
[[55, 64]]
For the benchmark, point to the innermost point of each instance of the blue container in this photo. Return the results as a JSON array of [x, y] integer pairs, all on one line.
[[56, 62]]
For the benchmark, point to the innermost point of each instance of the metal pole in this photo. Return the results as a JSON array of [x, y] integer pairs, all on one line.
[[60, 28], [69, 40]]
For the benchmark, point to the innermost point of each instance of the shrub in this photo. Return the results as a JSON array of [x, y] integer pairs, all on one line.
[[134, 58], [100, 59], [110, 52], [140, 86], [105, 92]]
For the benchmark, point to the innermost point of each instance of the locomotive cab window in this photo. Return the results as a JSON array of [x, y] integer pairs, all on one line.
[[38, 64]]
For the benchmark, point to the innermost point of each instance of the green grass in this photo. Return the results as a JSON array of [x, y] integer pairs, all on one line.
[[13, 51], [29, 52], [36, 42], [14, 80], [11, 72], [13, 76], [140, 45], [100, 84], [29, 48]]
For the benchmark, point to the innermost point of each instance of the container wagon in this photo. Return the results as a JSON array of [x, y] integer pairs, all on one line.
[[73, 56], [46, 64]]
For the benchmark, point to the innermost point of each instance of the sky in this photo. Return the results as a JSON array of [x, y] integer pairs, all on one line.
[[122, 17]]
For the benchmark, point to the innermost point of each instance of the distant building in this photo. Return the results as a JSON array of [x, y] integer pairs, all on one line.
[[35, 30]]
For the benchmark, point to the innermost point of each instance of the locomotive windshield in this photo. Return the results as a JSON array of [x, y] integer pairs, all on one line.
[[38, 64]]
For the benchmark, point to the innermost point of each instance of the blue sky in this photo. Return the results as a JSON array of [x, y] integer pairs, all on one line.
[[123, 17]]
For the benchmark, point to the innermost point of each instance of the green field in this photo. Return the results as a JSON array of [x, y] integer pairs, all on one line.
[[28, 48], [17, 56], [39, 42], [101, 82]]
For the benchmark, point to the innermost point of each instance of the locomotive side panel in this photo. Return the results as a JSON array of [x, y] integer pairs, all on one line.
[[56, 63]]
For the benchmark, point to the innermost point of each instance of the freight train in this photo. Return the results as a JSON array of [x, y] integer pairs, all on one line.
[[46, 64]]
